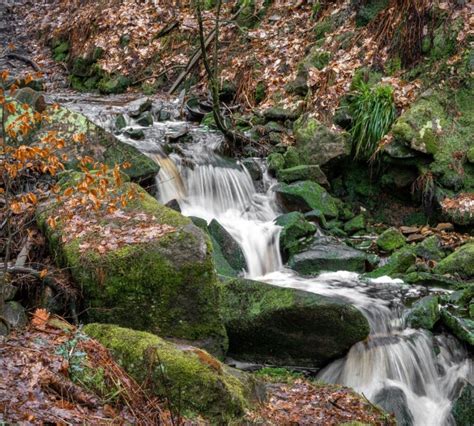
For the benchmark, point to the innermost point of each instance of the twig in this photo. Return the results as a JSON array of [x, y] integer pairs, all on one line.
[[22, 58], [166, 71]]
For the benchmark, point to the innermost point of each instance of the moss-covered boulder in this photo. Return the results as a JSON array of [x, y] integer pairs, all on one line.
[[96, 143], [156, 278], [228, 246], [188, 377], [305, 196], [326, 254], [317, 144], [302, 172], [463, 407], [424, 313], [398, 263], [357, 223], [430, 249], [462, 328], [460, 262], [295, 227], [275, 162], [390, 240], [284, 326]]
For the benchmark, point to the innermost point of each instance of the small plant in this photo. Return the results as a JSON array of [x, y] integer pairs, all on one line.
[[373, 112]]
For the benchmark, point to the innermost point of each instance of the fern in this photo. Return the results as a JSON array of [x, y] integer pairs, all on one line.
[[373, 112]]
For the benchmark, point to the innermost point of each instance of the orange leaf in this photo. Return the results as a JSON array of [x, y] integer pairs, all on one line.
[[43, 273], [40, 317]]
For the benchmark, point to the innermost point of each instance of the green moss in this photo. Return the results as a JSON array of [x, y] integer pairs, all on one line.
[[292, 157], [278, 375], [463, 406], [260, 92], [275, 162], [306, 196], [355, 224], [390, 240], [190, 378], [302, 172], [460, 262], [397, 264], [322, 27], [295, 227], [369, 10], [114, 84], [424, 313]]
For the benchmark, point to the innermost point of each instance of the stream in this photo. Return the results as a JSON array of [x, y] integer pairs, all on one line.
[[416, 370]]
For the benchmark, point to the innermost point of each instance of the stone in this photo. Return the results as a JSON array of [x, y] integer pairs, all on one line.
[[460, 262], [424, 313], [390, 240], [355, 224], [32, 98], [145, 119], [328, 254], [308, 329], [463, 407], [275, 162], [430, 249], [187, 376], [317, 144], [302, 172], [430, 280], [228, 245], [294, 228], [174, 205], [120, 122], [397, 264], [279, 114], [394, 401], [462, 328], [15, 314], [136, 134], [305, 196], [253, 167], [316, 216], [166, 284]]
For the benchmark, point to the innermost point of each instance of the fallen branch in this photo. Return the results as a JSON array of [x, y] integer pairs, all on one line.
[[166, 30], [166, 71], [22, 58]]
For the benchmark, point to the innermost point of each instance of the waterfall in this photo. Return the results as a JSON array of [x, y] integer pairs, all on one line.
[[426, 369]]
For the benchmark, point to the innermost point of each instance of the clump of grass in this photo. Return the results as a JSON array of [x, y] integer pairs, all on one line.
[[373, 112]]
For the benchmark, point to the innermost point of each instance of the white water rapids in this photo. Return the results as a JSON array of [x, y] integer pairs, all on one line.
[[426, 369]]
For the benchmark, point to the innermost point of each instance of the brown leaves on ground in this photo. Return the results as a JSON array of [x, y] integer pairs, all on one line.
[[35, 386], [303, 403], [462, 206]]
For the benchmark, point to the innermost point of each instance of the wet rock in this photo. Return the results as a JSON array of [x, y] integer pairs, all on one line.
[[462, 328], [317, 144], [397, 264], [460, 262], [463, 407], [275, 162], [174, 205], [355, 224], [194, 380], [310, 329], [316, 216], [302, 172], [430, 249], [120, 122], [393, 400], [327, 254], [253, 167], [32, 98], [424, 313], [144, 106], [428, 279], [165, 284], [145, 119], [305, 196], [390, 240], [295, 227], [135, 134], [229, 247]]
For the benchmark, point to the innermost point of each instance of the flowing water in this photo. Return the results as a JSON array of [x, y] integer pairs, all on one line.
[[427, 370]]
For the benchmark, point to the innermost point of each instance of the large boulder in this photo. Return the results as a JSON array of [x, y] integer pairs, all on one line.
[[462, 328], [390, 240], [327, 254], [284, 326], [147, 267], [460, 262], [424, 313], [96, 143], [294, 228], [229, 248], [190, 378], [397, 264], [302, 172], [306, 196], [318, 144], [463, 407], [394, 401]]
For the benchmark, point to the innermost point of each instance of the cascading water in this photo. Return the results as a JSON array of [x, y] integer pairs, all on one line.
[[395, 362]]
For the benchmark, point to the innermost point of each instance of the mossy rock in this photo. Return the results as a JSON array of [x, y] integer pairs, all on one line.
[[328, 254], [368, 10], [424, 313], [113, 84], [358, 223], [390, 240], [463, 407], [292, 157], [460, 262], [317, 144], [397, 264], [309, 329], [430, 249], [305, 196], [190, 378], [275, 162], [462, 328], [165, 285], [98, 143], [294, 228], [302, 172]]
